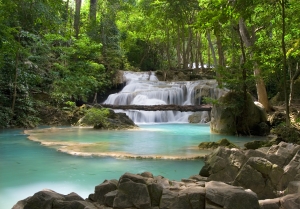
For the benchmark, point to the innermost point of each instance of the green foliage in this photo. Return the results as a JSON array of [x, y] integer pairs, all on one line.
[[209, 100], [69, 105], [38, 53], [95, 116]]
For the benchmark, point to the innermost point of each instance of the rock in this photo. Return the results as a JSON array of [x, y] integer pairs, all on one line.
[[293, 187], [145, 191], [291, 201], [110, 197], [132, 192], [199, 117], [277, 118], [270, 203], [287, 134], [266, 172], [213, 145], [282, 153], [155, 192], [147, 174], [102, 189], [117, 121], [260, 129], [223, 164], [105, 118], [227, 118], [292, 171], [261, 176], [134, 177], [230, 197], [254, 153], [48, 198], [168, 199], [198, 178], [196, 197]]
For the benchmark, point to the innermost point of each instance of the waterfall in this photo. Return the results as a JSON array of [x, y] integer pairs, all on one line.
[[143, 88]]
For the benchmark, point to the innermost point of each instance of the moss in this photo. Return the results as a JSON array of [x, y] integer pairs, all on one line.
[[213, 145], [287, 134]]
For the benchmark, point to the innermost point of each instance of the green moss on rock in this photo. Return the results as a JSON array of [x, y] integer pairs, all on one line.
[[213, 145]]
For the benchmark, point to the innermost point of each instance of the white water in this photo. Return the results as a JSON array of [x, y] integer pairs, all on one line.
[[143, 88]]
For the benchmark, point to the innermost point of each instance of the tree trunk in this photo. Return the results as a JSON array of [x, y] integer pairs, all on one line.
[[284, 65], [178, 47], [77, 17], [211, 46], [168, 48], [200, 52], [67, 14], [184, 54], [293, 78], [260, 85], [261, 89], [189, 53], [15, 78], [220, 50], [221, 62], [93, 11]]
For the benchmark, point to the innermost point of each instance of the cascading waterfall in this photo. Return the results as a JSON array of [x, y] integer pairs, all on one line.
[[143, 88]]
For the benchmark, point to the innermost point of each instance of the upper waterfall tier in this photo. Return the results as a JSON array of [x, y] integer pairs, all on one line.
[[143, 88]]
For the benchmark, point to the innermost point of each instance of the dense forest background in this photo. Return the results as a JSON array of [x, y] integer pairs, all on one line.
[[54, 52]]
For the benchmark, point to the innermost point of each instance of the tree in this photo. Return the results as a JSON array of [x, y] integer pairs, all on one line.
[[77, 17]]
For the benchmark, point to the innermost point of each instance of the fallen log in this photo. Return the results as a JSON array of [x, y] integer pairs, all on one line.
[[184, 108]]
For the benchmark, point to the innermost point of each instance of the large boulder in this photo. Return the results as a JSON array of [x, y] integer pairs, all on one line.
[[105, 118], [223, 164], [228, 117], [267, 172], [230, 197], [132, 194], [48, 199], [102, 189], [116, 121], [261, 176]]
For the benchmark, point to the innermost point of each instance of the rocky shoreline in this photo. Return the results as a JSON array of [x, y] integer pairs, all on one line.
[[266, 178]]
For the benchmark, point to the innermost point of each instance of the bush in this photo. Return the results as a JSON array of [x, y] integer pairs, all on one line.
[[95, 117]]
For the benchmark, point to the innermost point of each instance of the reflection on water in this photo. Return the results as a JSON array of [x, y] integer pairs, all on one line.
[[27, 167]]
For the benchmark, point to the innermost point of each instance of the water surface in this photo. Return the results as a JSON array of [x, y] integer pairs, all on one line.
[[27, 166]]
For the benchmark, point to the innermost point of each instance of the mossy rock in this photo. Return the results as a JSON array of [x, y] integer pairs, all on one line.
[[213, 145], [104, 118], [287, 134]]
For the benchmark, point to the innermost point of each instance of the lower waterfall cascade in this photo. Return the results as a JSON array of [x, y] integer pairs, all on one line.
[[143, 88]]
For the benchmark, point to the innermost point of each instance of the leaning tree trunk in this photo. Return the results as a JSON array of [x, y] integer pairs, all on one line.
[[260, 85]]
